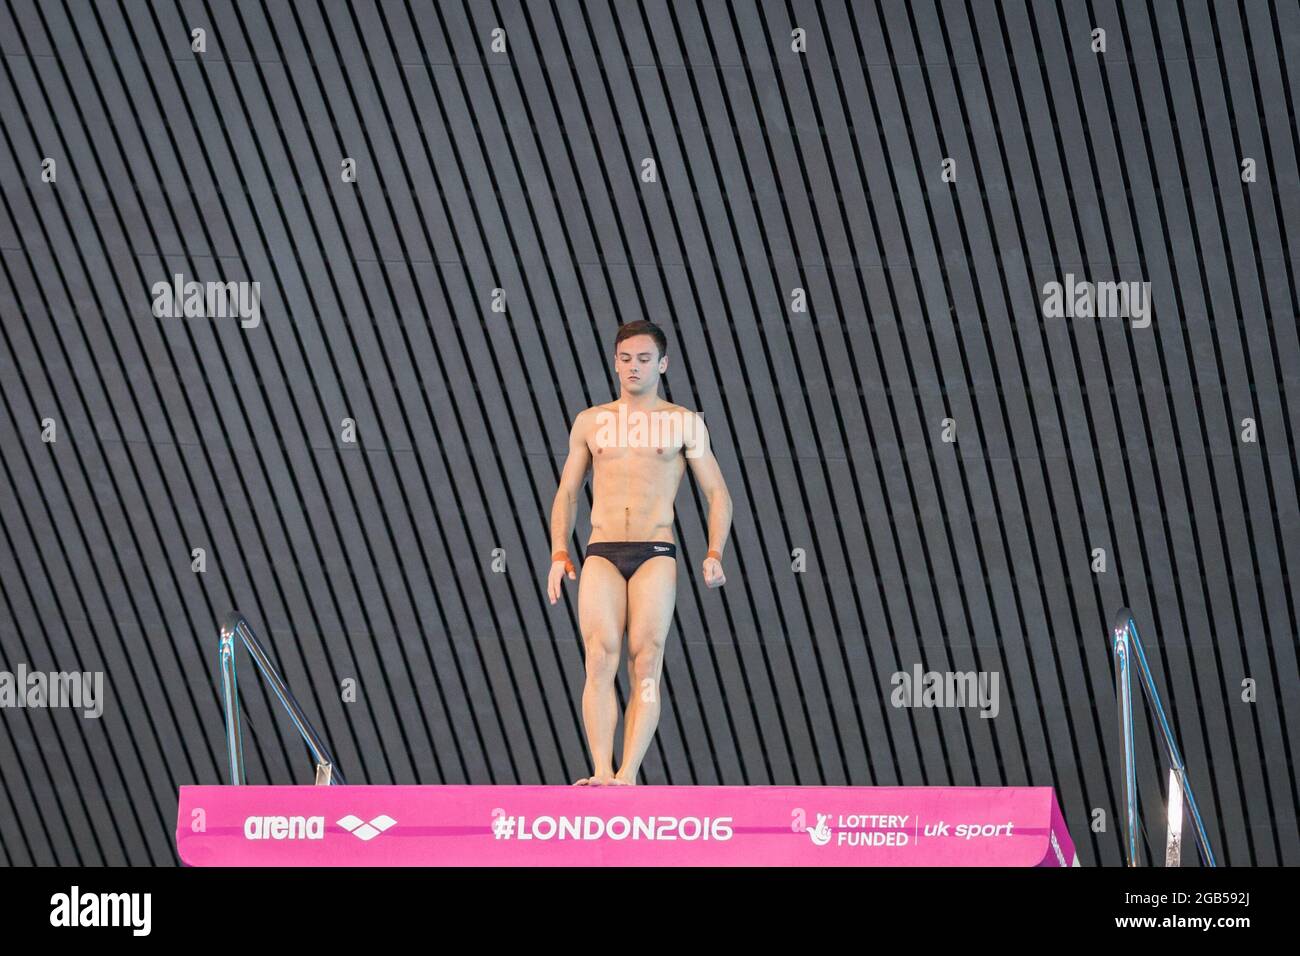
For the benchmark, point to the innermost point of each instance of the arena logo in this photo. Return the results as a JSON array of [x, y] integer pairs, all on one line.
[[284, 828], [211, 300], [641, 429], [79, 690], [366, 831], [311, 828], [947, 689], [74, 908], [1101, 300]]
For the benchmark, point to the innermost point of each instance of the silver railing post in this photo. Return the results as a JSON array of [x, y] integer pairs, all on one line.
[[1124, 699], [237, 626], [230, 704], [1174, 835], [1127, 648]]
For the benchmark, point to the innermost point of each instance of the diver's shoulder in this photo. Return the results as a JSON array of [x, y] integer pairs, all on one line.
[[587, 414], [678, 410]]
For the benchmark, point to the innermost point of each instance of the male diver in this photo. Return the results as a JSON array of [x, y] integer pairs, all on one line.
[[637, 448]]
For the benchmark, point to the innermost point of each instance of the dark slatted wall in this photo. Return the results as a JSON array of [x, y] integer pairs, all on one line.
[[781, 179]]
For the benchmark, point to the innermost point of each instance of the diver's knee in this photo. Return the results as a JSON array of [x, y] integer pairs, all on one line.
[[601, 662], [646, 663]]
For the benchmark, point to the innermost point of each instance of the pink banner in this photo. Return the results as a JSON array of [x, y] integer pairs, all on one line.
[[621, 826]]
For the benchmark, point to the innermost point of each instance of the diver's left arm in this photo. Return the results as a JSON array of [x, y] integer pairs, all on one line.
[[708, 475]]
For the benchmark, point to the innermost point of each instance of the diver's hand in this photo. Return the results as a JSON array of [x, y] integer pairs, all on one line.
[[560, 566], [713, 576]]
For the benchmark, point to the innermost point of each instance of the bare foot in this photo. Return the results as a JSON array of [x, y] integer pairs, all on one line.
[[596, 780], [620, 782]]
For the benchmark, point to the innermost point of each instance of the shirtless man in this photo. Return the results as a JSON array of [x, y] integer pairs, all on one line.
[[637, 448]]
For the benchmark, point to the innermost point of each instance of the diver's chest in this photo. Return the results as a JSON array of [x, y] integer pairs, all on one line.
[[648, 453]]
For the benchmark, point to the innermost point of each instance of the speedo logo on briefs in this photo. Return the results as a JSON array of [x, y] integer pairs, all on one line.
[[284, 828], [208, 300], [660, 430]]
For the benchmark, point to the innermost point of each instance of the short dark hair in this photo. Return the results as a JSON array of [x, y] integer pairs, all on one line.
[[643, 328]]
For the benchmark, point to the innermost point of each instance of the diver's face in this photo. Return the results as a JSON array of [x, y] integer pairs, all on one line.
[[638, 365]]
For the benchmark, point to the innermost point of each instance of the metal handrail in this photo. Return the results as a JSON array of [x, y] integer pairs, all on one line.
[[1125, 640], [237, 624]]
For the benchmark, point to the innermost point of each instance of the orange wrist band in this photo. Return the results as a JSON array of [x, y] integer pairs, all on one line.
[[715, 554]]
